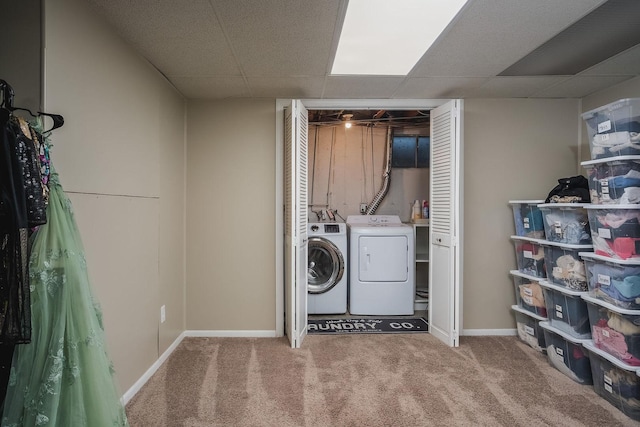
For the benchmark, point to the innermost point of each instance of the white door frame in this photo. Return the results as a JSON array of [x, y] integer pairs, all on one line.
[[319, 104]]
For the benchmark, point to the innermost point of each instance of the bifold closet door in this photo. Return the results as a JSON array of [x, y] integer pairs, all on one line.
[[445, 221], [296, 239]]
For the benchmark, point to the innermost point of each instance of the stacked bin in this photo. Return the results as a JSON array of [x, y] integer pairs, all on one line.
[[613, 268], [530, 309], [566, 228]]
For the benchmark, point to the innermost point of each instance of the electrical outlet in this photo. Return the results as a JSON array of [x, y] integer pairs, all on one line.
[[363, 208], [163, 314]]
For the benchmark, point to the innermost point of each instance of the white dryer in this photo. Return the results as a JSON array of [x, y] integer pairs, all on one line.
[[327, 268], [382, 257]]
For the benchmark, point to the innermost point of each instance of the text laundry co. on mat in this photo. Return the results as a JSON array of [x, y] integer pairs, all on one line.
[[388, 325]]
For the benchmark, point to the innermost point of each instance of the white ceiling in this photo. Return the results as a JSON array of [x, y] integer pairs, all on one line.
[[212, 49]]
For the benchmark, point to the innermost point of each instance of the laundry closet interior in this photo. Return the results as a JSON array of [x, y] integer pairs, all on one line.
[[372, 162]]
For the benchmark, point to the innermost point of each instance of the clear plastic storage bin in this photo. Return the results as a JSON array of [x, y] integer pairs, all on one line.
[[615, 330], [614, 281], [566, 354], [529, 256], [529, 330], [566, 223], [614, 381], [614, 129], [528, 218], [614, 181], [564, 266], [529, 294], [615, 230], [566, 310]]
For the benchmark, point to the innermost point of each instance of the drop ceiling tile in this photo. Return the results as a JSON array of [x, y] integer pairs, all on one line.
[[178, 40], [514, 87], [361, 86], [211, 87], [490, 35], [438, 87], [280, 37], [627, 62], [580, 86], [286, 87]]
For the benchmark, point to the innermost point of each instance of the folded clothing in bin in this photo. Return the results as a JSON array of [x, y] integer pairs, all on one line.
[[529, 330], [615, 230], [566, 310], [566, 223], [626, 141], [564, 266], [529, 293], [614, 281], [528, 218], [614, 129], [566, 354], [615, 180], [616, 382], [530, 256], [614, 330]]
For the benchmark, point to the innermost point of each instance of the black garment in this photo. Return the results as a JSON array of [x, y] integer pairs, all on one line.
[[575, 189]]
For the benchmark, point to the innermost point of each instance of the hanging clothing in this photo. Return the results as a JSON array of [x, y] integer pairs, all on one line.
[[22, 207], [64, 377]]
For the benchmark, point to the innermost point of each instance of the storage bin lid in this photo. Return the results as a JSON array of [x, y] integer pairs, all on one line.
[[546, 325], [612, 207], [529, 239], [526, 276], [594, 256], [608, 160], [561, 289], [611, 358], [566, 245], [611, 307], [529, 202], [563, 205], [528, 313], [609, 107]]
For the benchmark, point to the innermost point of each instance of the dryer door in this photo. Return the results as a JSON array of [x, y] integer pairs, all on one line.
[[383, 259], [325, 265]]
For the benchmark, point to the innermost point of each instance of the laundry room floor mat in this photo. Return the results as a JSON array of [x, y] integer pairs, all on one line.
[[386, 325]]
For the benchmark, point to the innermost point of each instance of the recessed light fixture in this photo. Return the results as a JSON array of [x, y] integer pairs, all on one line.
[[347, 122], [382, 37]]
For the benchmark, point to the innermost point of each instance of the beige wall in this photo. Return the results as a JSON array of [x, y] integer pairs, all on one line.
[[120, 156], [231, 215], [513, 149], [349, 174]]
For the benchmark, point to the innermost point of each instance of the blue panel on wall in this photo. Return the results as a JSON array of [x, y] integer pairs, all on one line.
[[424, 143], [404, 152]]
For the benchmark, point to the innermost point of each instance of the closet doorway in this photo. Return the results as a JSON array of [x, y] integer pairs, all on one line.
[[292, 141]]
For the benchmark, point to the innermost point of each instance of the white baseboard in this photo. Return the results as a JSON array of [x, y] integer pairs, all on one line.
[[233, 334], [488, 332], [152, 370]]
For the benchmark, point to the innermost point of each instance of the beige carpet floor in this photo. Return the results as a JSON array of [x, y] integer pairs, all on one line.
[[365, 380]]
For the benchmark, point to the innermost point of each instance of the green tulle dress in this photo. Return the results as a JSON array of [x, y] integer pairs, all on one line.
[[64, 377]]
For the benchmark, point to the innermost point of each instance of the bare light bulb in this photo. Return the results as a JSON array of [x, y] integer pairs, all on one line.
[[347, 125]]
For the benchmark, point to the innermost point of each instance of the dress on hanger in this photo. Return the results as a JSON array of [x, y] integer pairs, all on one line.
[[64, 377]]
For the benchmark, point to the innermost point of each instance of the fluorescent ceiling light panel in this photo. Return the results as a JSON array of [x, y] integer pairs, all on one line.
[[387, 38]]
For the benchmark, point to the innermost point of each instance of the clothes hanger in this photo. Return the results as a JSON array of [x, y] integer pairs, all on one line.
[[7, 103]]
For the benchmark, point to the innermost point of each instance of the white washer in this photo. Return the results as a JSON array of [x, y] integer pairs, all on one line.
[[382, 257], [327, 268]]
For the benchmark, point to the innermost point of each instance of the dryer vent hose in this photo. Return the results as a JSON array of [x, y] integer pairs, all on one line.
[[386, 179]]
